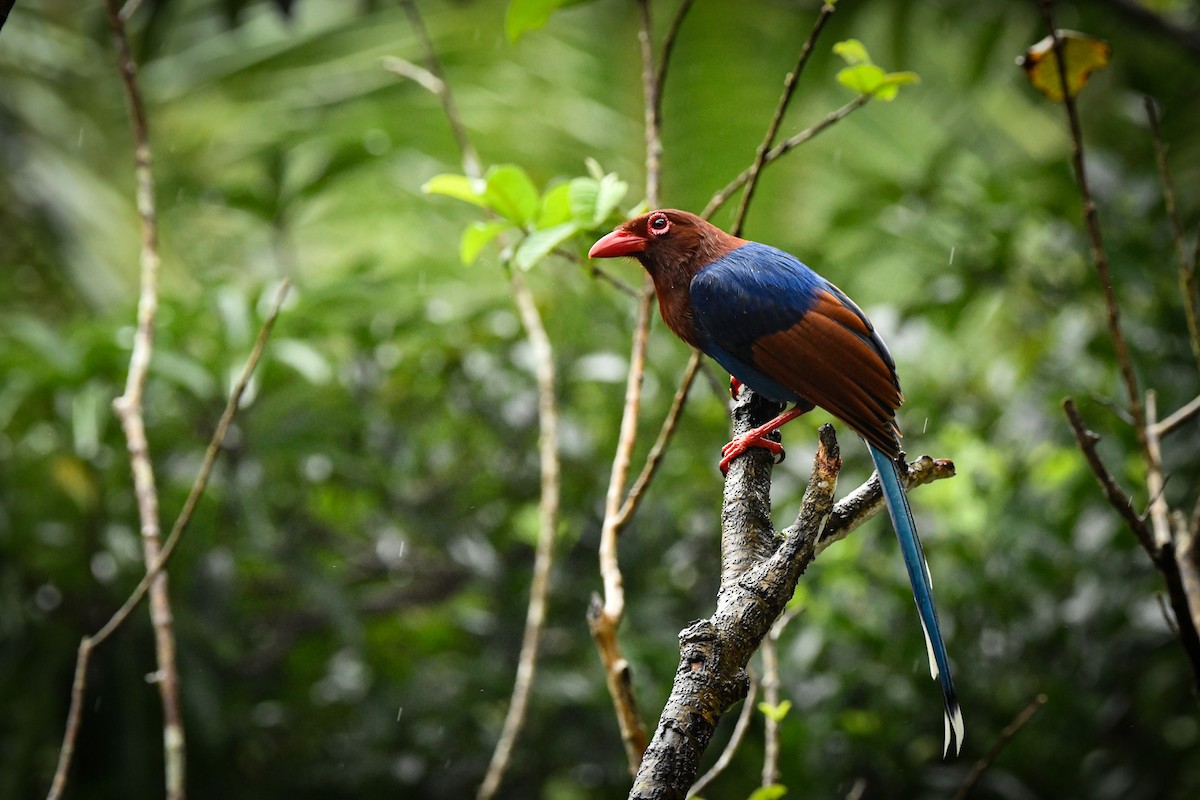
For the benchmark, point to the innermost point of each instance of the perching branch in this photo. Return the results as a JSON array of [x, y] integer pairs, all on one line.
[[89, 643], [731, 747], [759, 575]]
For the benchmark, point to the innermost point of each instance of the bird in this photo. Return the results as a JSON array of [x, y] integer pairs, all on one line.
[[791, 336]]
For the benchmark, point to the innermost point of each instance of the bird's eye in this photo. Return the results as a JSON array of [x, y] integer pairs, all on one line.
[[659, 224]]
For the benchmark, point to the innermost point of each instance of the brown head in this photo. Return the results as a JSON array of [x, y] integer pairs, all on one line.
[[673, 246]]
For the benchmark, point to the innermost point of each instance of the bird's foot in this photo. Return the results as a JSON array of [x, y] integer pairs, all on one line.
[[735, 387], [741, 444]]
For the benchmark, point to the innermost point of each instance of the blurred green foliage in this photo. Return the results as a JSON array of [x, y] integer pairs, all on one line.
[[350, 596]]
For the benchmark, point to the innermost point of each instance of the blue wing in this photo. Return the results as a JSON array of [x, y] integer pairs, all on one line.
[[791, 335]]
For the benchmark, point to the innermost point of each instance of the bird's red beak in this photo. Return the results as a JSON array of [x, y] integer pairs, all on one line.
[[618, 243]]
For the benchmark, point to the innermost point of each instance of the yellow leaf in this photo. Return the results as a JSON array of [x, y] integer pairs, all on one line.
[[1083, 55]]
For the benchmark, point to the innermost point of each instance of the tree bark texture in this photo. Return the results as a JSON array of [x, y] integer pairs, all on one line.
[[758, 578]]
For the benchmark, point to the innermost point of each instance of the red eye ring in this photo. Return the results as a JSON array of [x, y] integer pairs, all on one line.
[[658, 224]]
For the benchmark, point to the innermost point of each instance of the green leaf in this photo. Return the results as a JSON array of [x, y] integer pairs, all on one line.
[[853, 52], [556, 206], [582, 195], [611, 191], [527, 15], [892, 82], [772, 792], [863, 78], [511, 194], [776, 713], [477, 236], [460, 187], [593, 167], [537, 245]]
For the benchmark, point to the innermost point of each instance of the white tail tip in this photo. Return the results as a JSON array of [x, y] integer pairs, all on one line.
[[956, 730]]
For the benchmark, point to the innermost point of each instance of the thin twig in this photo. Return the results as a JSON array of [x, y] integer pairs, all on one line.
[[406, 69], [789, 88], [1187, 562], [470, 157], [652, 106], [605, 614], [128, 408], [1012, 729], [770, 681], [1117, 497], [434, 80], [539, 589], [731, 747], [1187, 266], [1181, 416], [1092, 224], [90, 643], [654, 458], [668, 45], [783, 148], [1159, 511]]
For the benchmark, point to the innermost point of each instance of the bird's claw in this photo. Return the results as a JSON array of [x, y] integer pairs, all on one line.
[[741, 444]]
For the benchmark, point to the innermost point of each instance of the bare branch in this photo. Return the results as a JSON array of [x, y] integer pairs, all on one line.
[[1185, 599], [1178, 418], [1092, 224], [539, 589], [668, 45], [1117, 498], [789, 88], [604, 615], [1187, 266], [1010, 730], [867, 500], [434, 80], [470, 158], [654, 458], [128, 408], [652, 104], [1160, 524], [1187, 561], [90, 643], [722, 197], [770, 681]]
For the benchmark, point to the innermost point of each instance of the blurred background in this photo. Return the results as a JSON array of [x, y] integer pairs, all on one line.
[[350, 596]]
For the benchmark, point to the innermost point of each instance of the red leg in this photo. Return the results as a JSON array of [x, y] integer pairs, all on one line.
[[757, 437]]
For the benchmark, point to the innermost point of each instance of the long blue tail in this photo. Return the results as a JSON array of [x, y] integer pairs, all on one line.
[[922, 587]]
